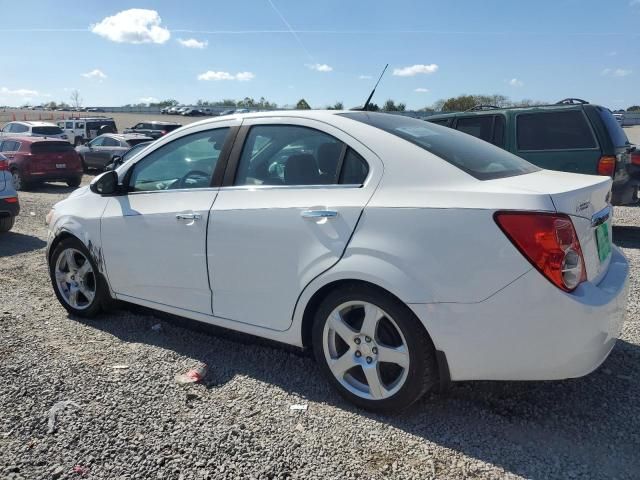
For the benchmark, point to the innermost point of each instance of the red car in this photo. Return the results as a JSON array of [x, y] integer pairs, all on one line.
[[38, 159]]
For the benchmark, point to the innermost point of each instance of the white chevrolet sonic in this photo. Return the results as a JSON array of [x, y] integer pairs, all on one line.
[[402, 252]]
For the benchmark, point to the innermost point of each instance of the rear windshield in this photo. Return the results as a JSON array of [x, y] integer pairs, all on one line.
[[51, 147], [479, 159], [562, 130], [618, 137], [135, 141], [46, 130]]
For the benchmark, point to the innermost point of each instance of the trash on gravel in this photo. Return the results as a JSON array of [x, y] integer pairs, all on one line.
[[157, 327], [299, 427], [33, 214], [119, 367], [81, 470], [51, 424], [298, 407], [194, 375]]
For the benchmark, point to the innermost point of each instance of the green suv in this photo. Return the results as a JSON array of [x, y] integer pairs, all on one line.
[[571, 136]]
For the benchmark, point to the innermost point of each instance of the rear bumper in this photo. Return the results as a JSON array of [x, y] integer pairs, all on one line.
[[11, 209], [531, 330]]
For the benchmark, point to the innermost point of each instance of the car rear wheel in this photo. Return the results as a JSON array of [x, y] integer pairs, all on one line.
[[373, 349], [74, 182], [6, 223], [76, 280], [18, 180]]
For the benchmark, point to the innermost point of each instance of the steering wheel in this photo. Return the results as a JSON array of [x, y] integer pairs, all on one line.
[[192, 177]]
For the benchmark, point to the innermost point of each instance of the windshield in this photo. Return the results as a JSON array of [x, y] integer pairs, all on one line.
[[476, 157], [46, 130], [618, 137]]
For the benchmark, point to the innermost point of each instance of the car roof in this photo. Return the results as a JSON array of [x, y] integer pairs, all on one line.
[[490, 111], [156, 122], [125, 136], [28, 139], [35, 124]]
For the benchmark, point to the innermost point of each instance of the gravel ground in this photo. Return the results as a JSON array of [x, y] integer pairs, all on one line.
[[129, 419]]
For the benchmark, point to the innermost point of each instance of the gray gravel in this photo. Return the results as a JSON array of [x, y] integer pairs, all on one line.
[[130, 420]]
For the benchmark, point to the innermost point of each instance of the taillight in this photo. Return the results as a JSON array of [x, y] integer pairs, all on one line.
[[549, 242], [635, 158], [4, 165], [606, 165], [11, 200]]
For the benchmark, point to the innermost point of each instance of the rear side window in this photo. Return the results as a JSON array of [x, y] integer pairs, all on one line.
[[169, 128], [618, 137], [46, 130], [354, 169], [442, 121], [489, 128], [51, 147], [564, 130], [475, 157], [110, 142], [9, 146], [19, 128]]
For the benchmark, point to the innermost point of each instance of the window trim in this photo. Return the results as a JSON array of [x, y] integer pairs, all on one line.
[[216, 178], [584, 149], [231, 171]]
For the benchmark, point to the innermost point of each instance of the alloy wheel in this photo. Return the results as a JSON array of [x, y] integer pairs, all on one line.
[[365, 350], [75, 278], [17, 180]]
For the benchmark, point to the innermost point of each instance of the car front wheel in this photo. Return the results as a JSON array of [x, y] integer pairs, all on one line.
[[373, 349], [75, 278]]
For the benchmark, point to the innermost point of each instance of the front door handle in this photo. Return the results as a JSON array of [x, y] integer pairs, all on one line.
[[319, 213], [188, 216]]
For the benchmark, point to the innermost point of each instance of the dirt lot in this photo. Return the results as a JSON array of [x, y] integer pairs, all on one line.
[[131, 420]]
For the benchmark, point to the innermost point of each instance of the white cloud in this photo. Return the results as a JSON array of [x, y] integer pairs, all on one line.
[[148, 100], [192, 43], [415, 70], [20, 92], [514, 82], [421, 90], [365, 77], [136, 25], [616, 72], [240, 76], [95, 73], [320, 67]]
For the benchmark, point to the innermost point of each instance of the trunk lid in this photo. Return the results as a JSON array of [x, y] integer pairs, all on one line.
[[47, 157], [585, 198]]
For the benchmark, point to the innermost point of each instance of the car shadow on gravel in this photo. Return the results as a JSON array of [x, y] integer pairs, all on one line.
[[587, 427], [51, 188], [626, 236], [12, 243]]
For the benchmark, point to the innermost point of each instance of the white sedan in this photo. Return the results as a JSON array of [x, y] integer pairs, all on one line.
[[402, 252]]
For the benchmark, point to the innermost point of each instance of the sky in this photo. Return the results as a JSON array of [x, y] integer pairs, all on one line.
[[121, 52]]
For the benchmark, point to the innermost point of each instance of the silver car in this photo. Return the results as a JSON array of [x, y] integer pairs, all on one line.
[[33, 129], [9, 204]]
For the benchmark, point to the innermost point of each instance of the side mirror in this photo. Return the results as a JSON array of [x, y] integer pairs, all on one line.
[[105, 184]]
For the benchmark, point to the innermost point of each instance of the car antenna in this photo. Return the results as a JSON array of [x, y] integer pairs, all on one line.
[[366, 104]]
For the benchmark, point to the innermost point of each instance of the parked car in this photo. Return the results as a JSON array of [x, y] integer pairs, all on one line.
[[570, 136], [349, 233], [9, 203], [33, 129], [227, 112], [153, 129], [100, 151], [165, 110], [36, 159], [81, 130], [118, 160], [193, 112], [95, 109]]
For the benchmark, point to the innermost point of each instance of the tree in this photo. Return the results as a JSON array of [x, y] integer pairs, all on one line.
[[459, 104], [302, 105], [634, 108], [165, 103], [336, 106], [76, 100]]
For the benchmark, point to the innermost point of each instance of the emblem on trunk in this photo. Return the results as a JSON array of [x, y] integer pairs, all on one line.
[[583, 206]]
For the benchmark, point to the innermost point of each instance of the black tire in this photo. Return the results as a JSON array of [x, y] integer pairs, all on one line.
[[6, 223], [101, 301], [74, 182], [422, 372], [18, 180]]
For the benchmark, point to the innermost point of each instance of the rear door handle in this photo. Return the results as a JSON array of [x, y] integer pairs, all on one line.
[[319, 213], [188, 216]]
